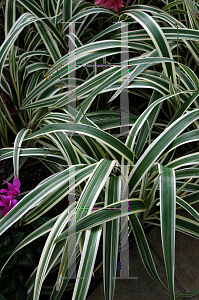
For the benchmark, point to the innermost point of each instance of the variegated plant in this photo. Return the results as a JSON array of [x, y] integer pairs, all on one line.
[[146, 169]]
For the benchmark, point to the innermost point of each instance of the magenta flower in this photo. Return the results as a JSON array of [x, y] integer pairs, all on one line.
[[8, 201], [111, 4], [14, 189]]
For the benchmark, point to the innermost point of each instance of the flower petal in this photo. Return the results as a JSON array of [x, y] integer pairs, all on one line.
[[17, 191], [10, 198], [13, 202], [16, 183], [98, 2], [3, 191], [2, 203], [12, 193], [5, 200], [10, 186], [120, 4], [116, 7]]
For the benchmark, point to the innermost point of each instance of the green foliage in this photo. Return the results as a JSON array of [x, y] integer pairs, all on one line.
[[155, 158], [12, 283]]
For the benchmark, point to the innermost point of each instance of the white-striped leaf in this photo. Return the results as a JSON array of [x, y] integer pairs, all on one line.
[[167, 221]]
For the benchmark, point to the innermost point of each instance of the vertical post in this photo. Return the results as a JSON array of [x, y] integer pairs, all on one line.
[[71, 107], [124, 99], [124, 118], [71, 69]]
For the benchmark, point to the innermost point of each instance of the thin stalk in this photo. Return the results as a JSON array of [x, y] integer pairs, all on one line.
[[8, 123], [14, 84]]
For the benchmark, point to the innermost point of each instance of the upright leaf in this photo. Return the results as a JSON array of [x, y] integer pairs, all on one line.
[[167, 220], [110, 239]]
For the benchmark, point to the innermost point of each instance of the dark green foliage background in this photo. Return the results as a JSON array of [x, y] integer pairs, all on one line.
[[22, 264]]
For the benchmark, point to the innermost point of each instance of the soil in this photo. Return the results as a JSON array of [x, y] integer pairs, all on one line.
[[31, 174]]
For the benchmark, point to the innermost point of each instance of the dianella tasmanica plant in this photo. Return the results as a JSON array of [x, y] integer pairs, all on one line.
[[109, 103]]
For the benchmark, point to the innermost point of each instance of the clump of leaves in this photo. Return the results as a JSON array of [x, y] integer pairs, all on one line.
[[19, 268]]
